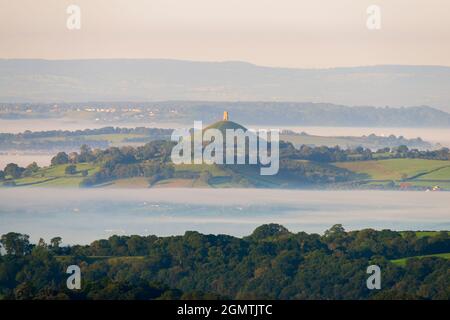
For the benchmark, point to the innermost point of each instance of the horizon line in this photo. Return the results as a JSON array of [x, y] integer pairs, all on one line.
[[230, 61]]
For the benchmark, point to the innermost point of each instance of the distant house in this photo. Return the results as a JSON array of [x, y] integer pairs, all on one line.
[[435, 188]]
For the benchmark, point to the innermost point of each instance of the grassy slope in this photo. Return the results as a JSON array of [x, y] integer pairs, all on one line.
[[55, 176], [417, 172], [218, 175], [393, 169], [441, 174], [420, 172], [402, 262], [424, 183], [137, 182], [421, 234], [212, 169]]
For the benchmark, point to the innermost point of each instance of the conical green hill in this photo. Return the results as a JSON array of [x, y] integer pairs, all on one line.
[[224, 125]]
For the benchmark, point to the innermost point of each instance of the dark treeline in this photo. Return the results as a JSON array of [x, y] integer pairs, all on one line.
[[14, 171], [58, 140], [324, 154], [271, 263], [375, 141], [157, 132], [50, 146], [336, 154]]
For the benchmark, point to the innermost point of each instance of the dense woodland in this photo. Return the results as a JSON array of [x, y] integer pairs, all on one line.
[[271, 263]]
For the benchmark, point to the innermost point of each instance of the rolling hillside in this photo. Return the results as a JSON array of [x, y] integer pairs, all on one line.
[[150, 165], [408, 172]]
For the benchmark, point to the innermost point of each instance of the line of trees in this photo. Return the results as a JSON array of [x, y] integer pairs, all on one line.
[[14, 171], [271, 263], [155, 132], [337, 154]]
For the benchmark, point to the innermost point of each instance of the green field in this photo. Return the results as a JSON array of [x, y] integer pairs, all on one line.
[[388, 173], [421, 234], [342, 141], [221, 177], [404, 173], [214, 170], [394, 169], [136, 182], [55, 176], [205, 176], [402, 262], [442, 174], [217, 176]]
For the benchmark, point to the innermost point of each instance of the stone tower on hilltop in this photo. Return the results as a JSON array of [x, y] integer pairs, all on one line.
[[225, 116]]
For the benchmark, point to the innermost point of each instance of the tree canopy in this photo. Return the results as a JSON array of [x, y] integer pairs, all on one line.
[[271, 263]]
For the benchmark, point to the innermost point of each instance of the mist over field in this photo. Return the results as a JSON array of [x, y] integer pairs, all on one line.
[[81, 216]]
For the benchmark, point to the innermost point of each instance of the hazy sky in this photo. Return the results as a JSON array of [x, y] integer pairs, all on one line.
[[293, 33]]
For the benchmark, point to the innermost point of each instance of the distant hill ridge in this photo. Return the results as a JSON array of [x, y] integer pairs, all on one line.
[[163, 79], [267, 114]]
